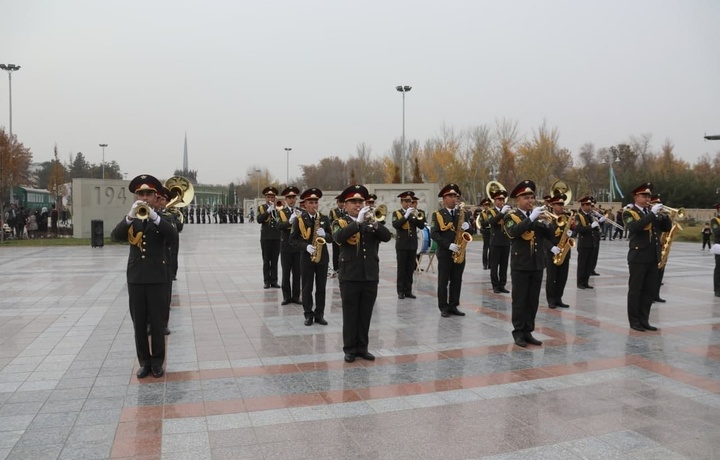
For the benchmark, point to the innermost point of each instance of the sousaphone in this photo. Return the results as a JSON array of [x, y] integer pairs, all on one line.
[[559, 188], [492, 187]]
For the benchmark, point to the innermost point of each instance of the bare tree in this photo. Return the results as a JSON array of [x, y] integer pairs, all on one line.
[[507, 140]]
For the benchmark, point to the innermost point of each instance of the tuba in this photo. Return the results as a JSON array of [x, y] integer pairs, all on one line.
[[559, 188], [492, 187], [462, 238]]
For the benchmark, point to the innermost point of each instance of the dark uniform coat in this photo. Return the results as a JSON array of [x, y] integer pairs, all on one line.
[[313, 274], [289, 258], [499, 248], [406, 245], [269, 243], [586, 243]]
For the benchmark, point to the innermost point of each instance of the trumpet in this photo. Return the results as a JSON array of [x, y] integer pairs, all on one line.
[[547, 216], [675, 213], [419, 215], [376, 214], [142, 212], [279, 204]]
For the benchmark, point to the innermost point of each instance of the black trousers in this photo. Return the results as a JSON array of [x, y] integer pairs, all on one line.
[[642, 286], [358, 301], [661, 274], [583, 265], [486, 252], [499, 257], [313, 275], [449, 281], [148, 303], [406, 263], [594, 258], [270, 255], [556, 279], [525, 299], [290, 262]]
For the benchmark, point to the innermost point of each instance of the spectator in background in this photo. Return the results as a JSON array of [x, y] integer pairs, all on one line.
[[618, 220], [32, 224], [706, 234], [43, 222], [54, 220]]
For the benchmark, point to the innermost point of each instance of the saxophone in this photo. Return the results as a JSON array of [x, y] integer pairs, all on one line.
[[565, 243], [317, 243], [461, 237], [666, 240]]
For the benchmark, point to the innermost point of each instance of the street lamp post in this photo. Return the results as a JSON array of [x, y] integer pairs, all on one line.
[[103, 166], [9, 68], [287, 166], [257, 173], [403, 90]]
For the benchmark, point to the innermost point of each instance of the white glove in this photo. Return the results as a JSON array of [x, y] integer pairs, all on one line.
[[656, 208], [293, 216], [454, 247], [594, 224], [133, 211], [361, 214], [465, 226], [310, 249], [505, 209], [602, 219], [555, 250], [408, 212], [569, 233], [320, 232], [270, 207], [153, 215], [536, 213], [715, 249]]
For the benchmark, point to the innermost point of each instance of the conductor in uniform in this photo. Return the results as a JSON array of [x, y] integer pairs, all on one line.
[[289, 254], [147, 272], [267, 217], [527, 261], [644, 226], [406, 224], [499, 241], [359, 270], [305, 232], [444, 230], [557, 275]]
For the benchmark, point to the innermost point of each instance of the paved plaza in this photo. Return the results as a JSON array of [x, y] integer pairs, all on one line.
[[247, 380]]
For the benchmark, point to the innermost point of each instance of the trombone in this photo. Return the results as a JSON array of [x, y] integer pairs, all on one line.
[[608, 220]]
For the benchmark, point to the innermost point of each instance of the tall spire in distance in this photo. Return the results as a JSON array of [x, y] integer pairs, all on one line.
[[185, 157]]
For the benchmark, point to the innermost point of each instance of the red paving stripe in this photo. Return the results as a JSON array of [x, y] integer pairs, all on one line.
[[679, 375], [709, 351]]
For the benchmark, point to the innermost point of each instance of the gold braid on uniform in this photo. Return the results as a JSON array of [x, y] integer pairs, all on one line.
[[304, 231], [528, 235], [441, 223], [355, 239], [406, 225], [283, 217], [135, 240]]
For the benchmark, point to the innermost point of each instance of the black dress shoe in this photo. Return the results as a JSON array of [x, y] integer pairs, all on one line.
[[401, 296], [411, 296], [366, 355], [308, 321], [658, 299], [648, 327], [285, 302], [497, 290], [275, 285], [167, 330], [587, 286], [444, 313], [456, 312], [637, 328], [504, 291], [581, 286], [552, 306], [520, 342], [158, 371], [532, 340], [143, 372], [266, 286], [594, 274], [563, 305], [321, 320], [296, 301], [349, 357]]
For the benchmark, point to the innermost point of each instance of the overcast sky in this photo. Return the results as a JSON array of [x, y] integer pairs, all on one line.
[[246, 79]]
